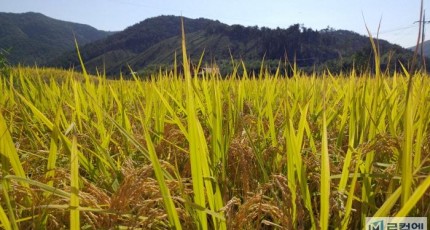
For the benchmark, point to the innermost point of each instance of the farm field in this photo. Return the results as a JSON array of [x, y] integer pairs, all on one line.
[[245, 152]]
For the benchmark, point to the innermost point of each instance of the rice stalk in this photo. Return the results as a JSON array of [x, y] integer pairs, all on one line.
[[75, 222]]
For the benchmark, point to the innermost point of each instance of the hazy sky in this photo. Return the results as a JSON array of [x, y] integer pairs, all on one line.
[[398, 16]]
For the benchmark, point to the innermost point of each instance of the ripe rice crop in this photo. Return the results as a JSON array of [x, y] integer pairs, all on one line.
[[240, 152]]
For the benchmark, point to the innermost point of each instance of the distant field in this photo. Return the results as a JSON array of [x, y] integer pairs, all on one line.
[[245, 152]]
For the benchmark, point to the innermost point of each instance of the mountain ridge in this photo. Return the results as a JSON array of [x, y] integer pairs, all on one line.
[[33, 38], [151, 44], [426, 48]]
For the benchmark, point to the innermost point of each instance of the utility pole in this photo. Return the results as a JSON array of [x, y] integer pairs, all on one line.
[[422, 23], [414, 58], [422, 41]]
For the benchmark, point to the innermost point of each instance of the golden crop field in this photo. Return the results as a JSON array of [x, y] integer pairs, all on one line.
[[207, 153], [184, 152]]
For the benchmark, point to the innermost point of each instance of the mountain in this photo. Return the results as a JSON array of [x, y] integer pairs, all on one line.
[[426, 48], [35, 38], [139, 44], [152, 44]]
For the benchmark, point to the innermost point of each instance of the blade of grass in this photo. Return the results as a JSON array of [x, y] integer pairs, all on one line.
[[53, 149], [349, 201], [8, 221], [5, 223], [196, 169], [389, 203], [7, 149], [325, 177], [414, 198], [406, 154], [42, 186], [167, 198], [74, 184]]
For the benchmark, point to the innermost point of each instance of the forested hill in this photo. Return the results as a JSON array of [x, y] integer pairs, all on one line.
[[426, 48], [153, 42], [33, 38], [146, 46]]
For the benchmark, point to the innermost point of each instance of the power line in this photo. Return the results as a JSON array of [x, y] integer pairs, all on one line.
[[397, 29]]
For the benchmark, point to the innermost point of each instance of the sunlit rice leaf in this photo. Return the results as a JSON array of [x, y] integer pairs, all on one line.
[[167, 198], [7, 149], [325, 178], [45, 187], [5, 223], [74, 184], [414, 198]]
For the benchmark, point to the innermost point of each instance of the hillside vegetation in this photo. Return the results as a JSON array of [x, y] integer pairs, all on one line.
[[152, 44], [426, 48], [33, 38]]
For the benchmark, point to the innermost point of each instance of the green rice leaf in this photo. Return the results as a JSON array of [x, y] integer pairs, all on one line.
[[74, 184], [5, 223], [7, 149], [167, 198], [414, 198]]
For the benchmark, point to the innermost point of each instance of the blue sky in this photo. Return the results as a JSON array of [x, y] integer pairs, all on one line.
[[398, 16]]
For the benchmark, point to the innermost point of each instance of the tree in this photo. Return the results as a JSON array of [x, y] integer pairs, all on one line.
[[4, 64]]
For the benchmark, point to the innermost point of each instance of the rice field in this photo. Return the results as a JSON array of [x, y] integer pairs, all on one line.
[[255, 151], [246, 152]]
